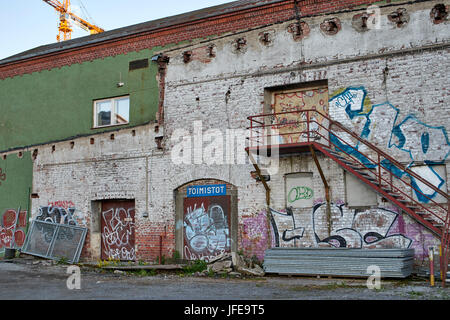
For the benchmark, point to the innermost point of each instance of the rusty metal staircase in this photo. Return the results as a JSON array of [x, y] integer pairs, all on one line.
[[308, 130]]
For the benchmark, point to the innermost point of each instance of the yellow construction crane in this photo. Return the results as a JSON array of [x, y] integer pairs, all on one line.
[[64, 28]]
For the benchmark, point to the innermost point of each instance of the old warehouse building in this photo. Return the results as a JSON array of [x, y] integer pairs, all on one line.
[[140, 134]]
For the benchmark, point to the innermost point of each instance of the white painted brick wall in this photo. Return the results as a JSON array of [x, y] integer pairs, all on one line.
[[417, 84]]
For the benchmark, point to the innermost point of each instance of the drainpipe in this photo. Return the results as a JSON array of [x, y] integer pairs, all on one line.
[[160, 244], [160, 248]]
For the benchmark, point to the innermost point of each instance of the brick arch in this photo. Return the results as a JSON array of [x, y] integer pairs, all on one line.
[[195, 182]]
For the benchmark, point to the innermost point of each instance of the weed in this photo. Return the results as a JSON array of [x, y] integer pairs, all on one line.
[[146, 273], [142, 273], [142, 263], [176, 255], [415, 293], [195, 266], [330, 286], [62, 260]]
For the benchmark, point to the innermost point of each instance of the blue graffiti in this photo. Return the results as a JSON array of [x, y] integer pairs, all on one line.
[[416, 147], [412, 136]]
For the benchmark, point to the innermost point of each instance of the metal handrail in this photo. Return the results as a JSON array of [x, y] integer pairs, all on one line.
[[445, 235], [368, 144]]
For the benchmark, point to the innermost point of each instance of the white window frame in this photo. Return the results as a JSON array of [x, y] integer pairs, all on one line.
[[113, 112]]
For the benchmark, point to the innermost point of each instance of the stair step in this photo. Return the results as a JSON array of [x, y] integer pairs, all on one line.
[[331, 151], [394, 195], [370, 175], [433, 222], [383, 186]]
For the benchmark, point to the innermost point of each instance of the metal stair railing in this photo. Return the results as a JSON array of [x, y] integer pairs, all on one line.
[[377, 169]]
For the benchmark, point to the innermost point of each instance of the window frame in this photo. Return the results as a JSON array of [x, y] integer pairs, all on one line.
[[113, 111]]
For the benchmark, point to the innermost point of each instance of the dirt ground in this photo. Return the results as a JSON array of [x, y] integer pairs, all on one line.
[[30, 279]]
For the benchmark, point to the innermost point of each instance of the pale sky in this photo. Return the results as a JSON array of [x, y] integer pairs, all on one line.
[[26, 24]]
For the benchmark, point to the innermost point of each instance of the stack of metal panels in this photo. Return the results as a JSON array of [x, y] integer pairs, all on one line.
[[392, 263]]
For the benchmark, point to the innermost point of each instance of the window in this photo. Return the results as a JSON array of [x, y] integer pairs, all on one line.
[[111, 112], [299, 190], [294, 107]]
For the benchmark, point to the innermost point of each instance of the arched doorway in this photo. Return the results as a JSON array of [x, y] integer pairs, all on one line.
[[206, 219]]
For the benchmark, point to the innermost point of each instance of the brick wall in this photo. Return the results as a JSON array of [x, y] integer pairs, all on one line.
[[230, 22], [224, 91]]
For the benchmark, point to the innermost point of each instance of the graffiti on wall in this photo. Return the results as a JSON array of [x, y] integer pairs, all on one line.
[[12, 233], [300, 193], [57, 215], [292, 129], [299, 190], [118, 239], [206, 227], [350, 228], [354, 228], [2, 176], [285, 227], [255, 236], [62, 204], [381, 125]]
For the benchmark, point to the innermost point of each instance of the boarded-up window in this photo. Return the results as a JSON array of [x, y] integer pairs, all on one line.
[[358, 193], [295, 109], [299, 190], [138, 64]]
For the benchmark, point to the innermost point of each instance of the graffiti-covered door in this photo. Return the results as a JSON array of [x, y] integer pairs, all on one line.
[[117, 225], [292, 125], [206, 223]]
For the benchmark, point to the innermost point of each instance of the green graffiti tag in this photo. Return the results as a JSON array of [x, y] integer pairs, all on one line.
[[300, 193]]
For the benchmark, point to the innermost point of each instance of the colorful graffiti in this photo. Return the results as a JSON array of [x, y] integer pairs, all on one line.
[[12, 233], [255, 236], [206, 227], [380, 125]]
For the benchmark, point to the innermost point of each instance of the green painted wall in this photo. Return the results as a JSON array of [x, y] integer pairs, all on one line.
[[57, 104], [15, 185]]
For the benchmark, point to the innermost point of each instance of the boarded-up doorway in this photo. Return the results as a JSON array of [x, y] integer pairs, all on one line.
[[118, 230], [300, 112], [207, 225]]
